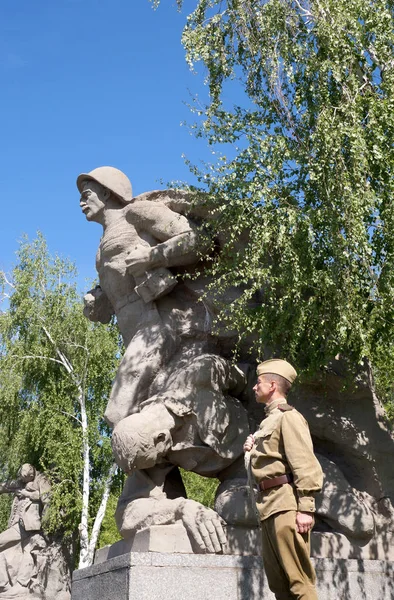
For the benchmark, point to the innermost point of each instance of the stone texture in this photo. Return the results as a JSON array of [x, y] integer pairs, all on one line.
[[337, 545], [152, 576], [350, 429], [340, 579]]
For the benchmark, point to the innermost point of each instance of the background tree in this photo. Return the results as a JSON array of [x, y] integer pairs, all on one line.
[[309, 170], [56, 370]]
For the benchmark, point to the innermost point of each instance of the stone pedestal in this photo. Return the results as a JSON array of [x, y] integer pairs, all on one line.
[[155, 575], [175, 539], [159, 562]]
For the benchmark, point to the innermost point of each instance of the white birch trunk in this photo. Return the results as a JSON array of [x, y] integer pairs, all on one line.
[[100, 513], [83, 526]]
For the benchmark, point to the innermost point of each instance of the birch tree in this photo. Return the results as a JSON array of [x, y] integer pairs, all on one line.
[[302, 166], [56, 369]]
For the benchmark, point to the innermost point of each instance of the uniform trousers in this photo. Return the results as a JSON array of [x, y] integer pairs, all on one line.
[[286, 558]]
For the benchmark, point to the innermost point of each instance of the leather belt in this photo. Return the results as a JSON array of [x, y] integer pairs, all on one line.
[[266, 484]]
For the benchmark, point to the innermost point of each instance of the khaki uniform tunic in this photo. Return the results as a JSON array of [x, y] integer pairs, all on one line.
[[282, 446]]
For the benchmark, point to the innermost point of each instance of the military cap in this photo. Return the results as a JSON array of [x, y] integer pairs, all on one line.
[[277, 366]]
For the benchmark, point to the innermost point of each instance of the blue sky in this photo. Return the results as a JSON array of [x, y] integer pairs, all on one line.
[[87, 83]]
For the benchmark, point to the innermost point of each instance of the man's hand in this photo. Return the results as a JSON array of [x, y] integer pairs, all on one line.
[[249, 443], [304, 522], [204, 525]]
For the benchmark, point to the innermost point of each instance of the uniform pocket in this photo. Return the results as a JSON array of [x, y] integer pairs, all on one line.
[[264, 433]]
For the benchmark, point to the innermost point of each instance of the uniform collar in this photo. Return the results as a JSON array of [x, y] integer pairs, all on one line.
[[270, 407]]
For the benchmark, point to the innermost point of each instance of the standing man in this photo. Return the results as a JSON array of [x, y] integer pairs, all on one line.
[[287, 474]]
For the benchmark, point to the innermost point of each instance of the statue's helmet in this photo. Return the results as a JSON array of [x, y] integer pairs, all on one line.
[[27, 472], [114, 180]]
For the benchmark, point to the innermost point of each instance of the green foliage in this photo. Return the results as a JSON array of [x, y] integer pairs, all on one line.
[[383, 371], [52, 357], [5, 510], [198, 488], [109, 533], [308, 182]]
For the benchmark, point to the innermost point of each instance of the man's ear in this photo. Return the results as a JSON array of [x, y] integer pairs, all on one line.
[[271, 383], [106, 194]]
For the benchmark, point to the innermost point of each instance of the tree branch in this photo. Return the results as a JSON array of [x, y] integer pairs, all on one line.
[[72, 416], [37, 356], [4, 276]]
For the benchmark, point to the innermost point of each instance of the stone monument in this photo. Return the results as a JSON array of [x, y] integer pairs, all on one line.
[[179, 401], [31, 564]]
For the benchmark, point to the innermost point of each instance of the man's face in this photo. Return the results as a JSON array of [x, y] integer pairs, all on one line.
[[92, 202], [263, 389]]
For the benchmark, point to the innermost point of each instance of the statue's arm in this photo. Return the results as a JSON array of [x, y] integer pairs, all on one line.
[[139, 498], [157, 219], [143, 504], [10, 487], [33, 495], [179, 241], [181, 250], [44, 489], [143, 512], [185, 202]]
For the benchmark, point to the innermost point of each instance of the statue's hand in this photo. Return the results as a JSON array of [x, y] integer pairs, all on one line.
[[97, 306], [205, 526], [139, 260], [23, 494]]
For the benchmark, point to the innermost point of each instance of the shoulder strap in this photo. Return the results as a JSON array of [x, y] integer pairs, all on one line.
[[285, 407]]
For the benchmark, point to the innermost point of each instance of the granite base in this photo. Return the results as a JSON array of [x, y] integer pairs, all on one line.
[[154, 576]]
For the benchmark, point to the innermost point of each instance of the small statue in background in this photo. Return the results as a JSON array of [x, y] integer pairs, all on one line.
[[30, 563], [31, 491]]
